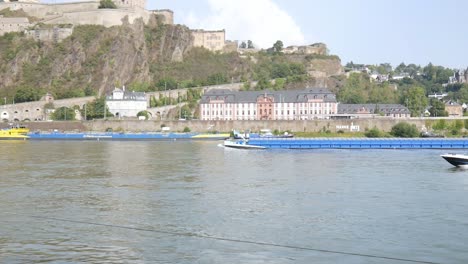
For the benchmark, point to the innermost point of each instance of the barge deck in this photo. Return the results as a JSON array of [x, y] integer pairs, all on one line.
[[361, 143]]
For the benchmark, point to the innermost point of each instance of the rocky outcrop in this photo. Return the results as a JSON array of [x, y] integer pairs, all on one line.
[[324, 67], [93, 56]]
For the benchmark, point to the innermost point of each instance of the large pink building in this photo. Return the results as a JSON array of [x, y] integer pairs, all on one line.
[[313, 103]]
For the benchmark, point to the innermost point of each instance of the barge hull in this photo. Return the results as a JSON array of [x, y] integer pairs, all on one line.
[[361, 143]]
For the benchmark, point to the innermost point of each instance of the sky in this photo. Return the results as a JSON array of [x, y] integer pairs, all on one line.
[[362, 31]]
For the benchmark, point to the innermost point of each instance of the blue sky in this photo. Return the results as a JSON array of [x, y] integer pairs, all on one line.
[[362, 31]]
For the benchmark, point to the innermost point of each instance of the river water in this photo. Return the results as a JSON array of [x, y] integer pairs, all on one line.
[[196, 202]]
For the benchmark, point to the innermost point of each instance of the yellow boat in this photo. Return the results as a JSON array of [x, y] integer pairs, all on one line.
[[219, 136], [14, 133]]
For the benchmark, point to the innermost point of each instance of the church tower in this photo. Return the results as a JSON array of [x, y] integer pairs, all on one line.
[[131, 3]]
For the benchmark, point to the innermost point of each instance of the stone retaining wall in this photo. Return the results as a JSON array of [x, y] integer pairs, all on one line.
[[356, 125]]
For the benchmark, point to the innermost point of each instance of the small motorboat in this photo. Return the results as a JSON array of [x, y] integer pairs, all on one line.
[[459, 160], [240, 144]]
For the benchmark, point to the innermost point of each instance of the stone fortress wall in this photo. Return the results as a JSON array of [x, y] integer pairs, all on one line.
[[13, 24], [88, 12], [55, 34], [26, 1], [35, 111], [79, 13]]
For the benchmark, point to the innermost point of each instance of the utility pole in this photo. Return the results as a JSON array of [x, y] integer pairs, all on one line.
[[85, 118]]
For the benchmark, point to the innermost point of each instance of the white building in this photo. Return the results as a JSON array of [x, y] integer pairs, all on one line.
[[126, 104]]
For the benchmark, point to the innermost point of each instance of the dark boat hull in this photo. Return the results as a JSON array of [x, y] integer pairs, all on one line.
[[456, 160]]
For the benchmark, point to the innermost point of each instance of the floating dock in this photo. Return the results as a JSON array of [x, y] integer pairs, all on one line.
[[360, 143]]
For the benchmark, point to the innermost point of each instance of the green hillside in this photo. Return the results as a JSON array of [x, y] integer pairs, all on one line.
[[94, 59]]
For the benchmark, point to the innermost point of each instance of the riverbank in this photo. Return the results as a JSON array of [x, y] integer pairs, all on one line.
[[345, 127]]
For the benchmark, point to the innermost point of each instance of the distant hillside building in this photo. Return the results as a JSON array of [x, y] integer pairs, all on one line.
[[213, 40], [454, 109], [268, 105], [123, 103]]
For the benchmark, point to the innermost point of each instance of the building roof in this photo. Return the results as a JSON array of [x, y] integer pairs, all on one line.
[[286, 96], [452, 103], [127, 95], [372, 109]]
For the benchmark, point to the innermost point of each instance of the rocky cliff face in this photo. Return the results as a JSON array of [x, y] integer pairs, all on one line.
[[94, 59], [93, 56]]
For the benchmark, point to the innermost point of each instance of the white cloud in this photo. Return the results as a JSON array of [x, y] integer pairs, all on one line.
[[261, 21]]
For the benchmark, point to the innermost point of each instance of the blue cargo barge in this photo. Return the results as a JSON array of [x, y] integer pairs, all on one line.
[[360, 143], [125, 136]]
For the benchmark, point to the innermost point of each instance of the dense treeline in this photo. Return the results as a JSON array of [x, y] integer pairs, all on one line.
[[411, 87]]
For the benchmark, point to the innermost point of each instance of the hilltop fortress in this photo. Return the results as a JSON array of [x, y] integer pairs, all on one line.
[[89, 13]]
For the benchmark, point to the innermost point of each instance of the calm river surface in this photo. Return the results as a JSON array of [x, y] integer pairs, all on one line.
[[167, 202]]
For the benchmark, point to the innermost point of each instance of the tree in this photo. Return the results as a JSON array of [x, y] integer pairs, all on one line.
[[437, 108], [278, 46], [167, 83], [185, 112], [144, 113], [243, 45], [430, 72], [415, 99], [353, 92], [217, 78], [26, 94], [63, 113], [404, 130], [400, 68], [107, 4], [95, 109], [384, 68], [373, 133], [250, 44], [89, 91]]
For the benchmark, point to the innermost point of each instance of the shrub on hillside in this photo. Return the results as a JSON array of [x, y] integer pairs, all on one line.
[[373, 133], [404, 130], [107, 4], [144, 113]]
